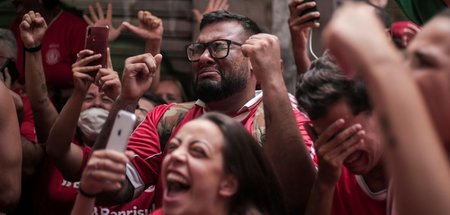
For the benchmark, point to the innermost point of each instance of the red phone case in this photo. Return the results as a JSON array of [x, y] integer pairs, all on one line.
[[97, 41]]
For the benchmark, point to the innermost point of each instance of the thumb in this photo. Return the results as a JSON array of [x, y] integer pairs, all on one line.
[[158, 59], [121, 27], [131, 28]]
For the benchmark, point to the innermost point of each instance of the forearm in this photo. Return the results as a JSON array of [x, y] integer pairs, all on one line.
[[32, 155], [43, 110], [83, 205], [63, 130], [285, 146], [412, 142], [301, 56], [120, 104], [321, 199], [124, 195]]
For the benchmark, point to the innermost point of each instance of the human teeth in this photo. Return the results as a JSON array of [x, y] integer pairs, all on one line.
[[173, 177]]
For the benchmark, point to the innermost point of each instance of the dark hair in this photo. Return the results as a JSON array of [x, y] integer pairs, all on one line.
[[155, 99], [249, 25], [177, 84], [243, 157], [324, 84]]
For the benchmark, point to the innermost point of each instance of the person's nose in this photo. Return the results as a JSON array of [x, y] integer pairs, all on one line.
[[206, 58], [179, 155]]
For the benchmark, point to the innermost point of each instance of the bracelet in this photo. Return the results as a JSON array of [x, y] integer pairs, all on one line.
[[83, 193], [34, 49]]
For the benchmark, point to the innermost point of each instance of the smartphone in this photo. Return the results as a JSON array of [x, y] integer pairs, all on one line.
[[97, 41], [310, 10], [121, 131]]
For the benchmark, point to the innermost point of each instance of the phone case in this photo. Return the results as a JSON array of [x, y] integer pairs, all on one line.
[[121, 131], [97, 41]]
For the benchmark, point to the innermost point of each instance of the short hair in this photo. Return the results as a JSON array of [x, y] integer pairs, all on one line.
[[177, 84], [247, 24], [155, 99], [8, 39], [323, 85], [258, 186]]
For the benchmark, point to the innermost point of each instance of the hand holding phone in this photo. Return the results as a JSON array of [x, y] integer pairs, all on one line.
[[121, 131], [310, 10], [97, 41]]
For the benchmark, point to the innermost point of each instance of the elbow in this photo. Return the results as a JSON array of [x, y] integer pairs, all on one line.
[[53, 152]]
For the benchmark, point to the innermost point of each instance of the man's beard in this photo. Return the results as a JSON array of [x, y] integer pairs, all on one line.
[[210, 91]]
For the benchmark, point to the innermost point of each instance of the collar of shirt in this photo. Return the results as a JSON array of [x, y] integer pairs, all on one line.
[[243, 112]]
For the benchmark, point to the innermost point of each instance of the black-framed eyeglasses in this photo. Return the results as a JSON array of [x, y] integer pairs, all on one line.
[[218, 49]]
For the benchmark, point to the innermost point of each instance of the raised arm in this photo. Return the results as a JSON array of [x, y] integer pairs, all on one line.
[[67, 155], [415, 155], [213, 5], [99, 19], [10, 153], [284, 144], [300, 27], [150, 29], [32, 30], [136, 79]]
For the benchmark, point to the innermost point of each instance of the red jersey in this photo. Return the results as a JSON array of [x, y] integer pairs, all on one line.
[[145, 141], [353, 197], [27, 128], [55, 196], [62, 41]]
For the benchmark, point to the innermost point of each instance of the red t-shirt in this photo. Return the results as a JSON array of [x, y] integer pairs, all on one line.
[[353, 197], [27, 126], [62, 41], [54, 195], [145, 142]]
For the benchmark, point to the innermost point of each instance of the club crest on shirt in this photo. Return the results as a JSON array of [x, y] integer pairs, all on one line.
[[53, 55]]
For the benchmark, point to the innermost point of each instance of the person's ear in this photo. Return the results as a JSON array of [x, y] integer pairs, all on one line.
[[228, 186], [250, 66]]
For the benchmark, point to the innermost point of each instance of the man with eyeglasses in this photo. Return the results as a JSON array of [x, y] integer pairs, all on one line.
[[229, 58]]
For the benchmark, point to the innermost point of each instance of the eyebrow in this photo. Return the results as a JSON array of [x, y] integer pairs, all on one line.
[[195, 141]]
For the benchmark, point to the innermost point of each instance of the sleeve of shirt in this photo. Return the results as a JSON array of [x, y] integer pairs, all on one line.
[[301, 119], [144, 168]]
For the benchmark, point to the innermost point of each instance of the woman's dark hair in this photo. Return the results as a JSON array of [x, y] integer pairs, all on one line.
[[323, 85], [247, 24], [243, 157]]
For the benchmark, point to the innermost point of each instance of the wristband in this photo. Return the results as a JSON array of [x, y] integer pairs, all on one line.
[[31, 50], [88, 195]]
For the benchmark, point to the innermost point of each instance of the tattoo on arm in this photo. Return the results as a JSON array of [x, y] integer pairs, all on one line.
[[267, 116]]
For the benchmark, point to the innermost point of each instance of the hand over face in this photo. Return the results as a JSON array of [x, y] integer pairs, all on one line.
[[32, 29], [333, 146]]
